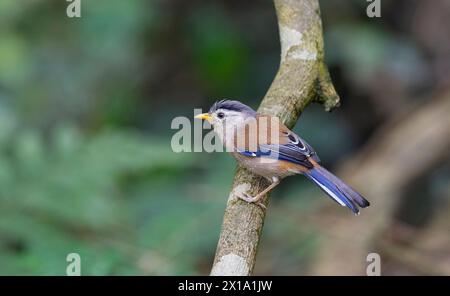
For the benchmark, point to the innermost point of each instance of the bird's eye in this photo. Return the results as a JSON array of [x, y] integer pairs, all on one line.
[[220, 115]]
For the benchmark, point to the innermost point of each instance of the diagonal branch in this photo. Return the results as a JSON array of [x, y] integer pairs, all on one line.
[[301, 79]]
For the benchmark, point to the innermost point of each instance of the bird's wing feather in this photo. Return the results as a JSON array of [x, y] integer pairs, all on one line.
[[296, 143], [288, 146]]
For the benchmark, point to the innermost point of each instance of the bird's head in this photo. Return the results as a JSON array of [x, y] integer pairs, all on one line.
[[227, 116], [227, 112]]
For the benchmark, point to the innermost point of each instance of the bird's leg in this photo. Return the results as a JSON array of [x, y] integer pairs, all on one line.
[[256, 198]]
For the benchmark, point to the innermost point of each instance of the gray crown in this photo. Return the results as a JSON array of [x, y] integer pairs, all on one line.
[[232, 106]]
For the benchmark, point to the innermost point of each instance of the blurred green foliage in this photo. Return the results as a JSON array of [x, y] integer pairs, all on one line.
[[222, 53], [60, 191]]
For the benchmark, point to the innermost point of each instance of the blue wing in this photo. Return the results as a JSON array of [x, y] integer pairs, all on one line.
[[287, 152], [301, 146], [295, 150]]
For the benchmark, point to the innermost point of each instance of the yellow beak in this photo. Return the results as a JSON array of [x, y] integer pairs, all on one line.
[[204, 116]]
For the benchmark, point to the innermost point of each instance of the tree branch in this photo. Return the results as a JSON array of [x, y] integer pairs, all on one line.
[[302, 78]]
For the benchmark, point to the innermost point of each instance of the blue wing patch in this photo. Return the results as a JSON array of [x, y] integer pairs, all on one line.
[[287, 152]]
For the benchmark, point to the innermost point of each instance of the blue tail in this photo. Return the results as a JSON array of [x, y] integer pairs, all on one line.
[[337, 189]]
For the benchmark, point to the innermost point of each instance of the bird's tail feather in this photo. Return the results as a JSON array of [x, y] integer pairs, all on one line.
[[337, 189]]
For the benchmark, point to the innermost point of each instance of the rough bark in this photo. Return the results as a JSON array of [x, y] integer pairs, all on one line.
[[302, 78]]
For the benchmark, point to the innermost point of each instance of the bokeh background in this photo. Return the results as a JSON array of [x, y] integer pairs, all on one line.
[[86, 105]]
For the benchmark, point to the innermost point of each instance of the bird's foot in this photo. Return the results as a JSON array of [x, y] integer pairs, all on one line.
[[256, 200]]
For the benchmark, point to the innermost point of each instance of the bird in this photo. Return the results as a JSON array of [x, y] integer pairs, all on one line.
[[265, 146]]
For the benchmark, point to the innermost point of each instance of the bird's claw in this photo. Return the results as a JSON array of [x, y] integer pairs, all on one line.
[[246, 197], [261, 205]]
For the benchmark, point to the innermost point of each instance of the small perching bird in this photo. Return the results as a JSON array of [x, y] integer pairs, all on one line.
[[268, 148]]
